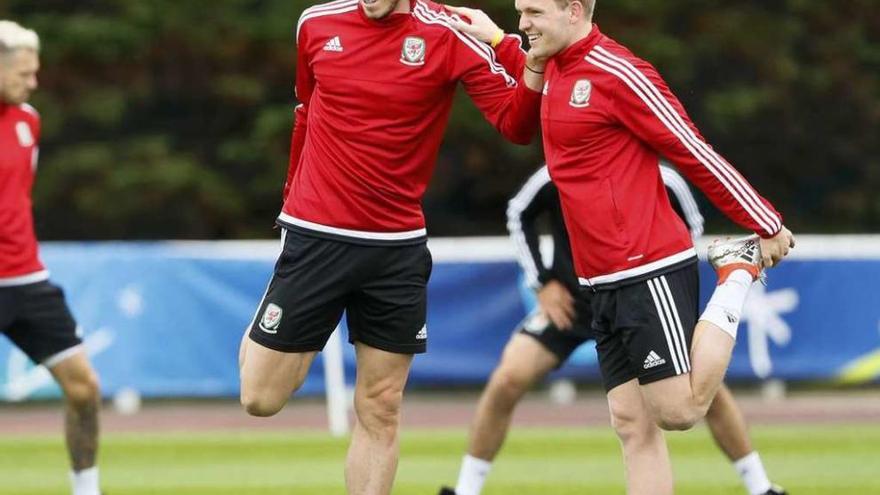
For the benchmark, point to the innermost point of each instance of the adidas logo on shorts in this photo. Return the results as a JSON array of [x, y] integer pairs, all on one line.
[[423, 333], [653, 360]]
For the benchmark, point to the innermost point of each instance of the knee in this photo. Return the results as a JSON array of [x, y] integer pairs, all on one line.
[[260, 405], [264, 398], [632, 426], [82, 389], [379, 411], [679, 419], [509, 384]]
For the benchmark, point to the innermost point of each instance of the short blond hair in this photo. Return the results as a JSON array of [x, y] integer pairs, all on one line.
[[589, 5], [15, 37]]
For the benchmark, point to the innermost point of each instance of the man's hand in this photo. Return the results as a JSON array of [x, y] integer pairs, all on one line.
[[533, 74], [536, 60], [557, 303], [476, 23], [776, 247]]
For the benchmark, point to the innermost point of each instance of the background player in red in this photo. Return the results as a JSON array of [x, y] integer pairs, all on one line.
[[375, 80], [606, 118], [560, 325], [33, 312]]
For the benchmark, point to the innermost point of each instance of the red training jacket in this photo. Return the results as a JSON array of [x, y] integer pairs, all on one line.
[[607, 117], [375, 100], [19, 138]]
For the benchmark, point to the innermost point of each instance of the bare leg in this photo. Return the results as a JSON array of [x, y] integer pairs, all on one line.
[[728, 426], [730, 432], [373, 453], [710, 356], [524, 362], [269, 377], [82, 396], [681, 401], [645, 456], [242, 349]]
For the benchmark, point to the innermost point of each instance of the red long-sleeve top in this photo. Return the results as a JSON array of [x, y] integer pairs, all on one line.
[[607, 118], [375, 100], [19, 140]]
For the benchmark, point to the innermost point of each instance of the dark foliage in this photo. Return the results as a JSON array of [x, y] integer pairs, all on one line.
[[171, 119]]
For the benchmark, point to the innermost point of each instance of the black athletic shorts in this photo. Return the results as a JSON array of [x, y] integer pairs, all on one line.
[[644, 330], [382, 290], [561, 343], [37, 320]]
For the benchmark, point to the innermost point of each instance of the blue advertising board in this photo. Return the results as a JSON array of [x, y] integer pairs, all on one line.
[[166, 318]]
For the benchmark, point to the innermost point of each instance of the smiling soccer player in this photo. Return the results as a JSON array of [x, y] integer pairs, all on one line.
[[607, 116], [375, 80]]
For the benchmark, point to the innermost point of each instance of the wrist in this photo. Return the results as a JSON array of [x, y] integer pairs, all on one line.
[[543, 279], [539, 71], [498, 38], [536, 64]]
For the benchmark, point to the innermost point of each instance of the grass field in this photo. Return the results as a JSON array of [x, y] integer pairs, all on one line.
[[808, 460]]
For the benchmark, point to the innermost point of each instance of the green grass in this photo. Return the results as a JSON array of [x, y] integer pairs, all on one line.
[[808, 460]]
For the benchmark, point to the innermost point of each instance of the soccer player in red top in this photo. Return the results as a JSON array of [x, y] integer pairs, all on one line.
[[560, 323], [33, 312], [607, 116], [375, 80]]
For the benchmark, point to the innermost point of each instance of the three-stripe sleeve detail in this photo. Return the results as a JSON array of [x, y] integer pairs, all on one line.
[[515, 208], [675, 182], [741, 191], [330, 8], [428, 16]]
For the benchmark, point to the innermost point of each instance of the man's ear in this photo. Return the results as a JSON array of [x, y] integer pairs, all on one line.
[[577, 11]]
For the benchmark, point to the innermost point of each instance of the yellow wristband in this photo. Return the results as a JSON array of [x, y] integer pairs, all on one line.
[[499, 37]]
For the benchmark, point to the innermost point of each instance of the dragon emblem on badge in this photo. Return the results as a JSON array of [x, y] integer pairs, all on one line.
[[580, 95], [413, 51]]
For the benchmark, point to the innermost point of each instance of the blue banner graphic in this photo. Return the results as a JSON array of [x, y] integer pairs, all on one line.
[[166, 319]]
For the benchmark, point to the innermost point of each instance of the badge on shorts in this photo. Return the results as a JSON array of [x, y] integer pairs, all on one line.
[[271, 318], [413, 51], [25, 137], [580, 95]]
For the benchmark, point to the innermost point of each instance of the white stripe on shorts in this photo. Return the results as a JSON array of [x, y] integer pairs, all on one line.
[[56, 359], [663, 322], [684, 347]]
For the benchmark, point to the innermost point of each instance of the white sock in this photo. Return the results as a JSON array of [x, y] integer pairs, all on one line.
[[751, 470], [472, 476], [85, 482], [725, 307]]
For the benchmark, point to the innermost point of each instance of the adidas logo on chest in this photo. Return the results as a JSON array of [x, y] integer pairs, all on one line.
[[334, 45]]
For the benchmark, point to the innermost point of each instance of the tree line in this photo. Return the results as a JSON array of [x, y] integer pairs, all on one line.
[[171, 119]]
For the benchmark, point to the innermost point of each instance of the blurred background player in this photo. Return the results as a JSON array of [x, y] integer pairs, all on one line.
[[33, 311], [606, 118], [376, 80], [560, 324]]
